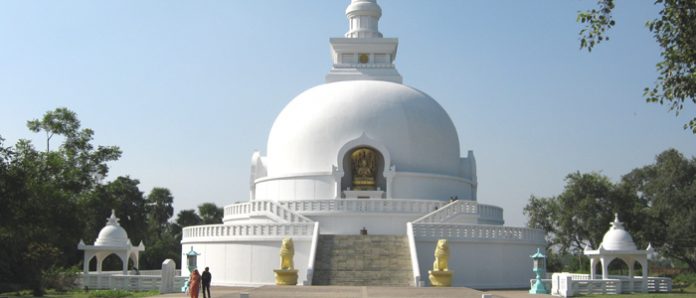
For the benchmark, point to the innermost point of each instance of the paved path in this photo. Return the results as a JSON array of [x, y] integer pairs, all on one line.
[[354, 292]]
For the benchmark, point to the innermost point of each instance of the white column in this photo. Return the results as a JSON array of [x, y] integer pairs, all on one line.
[[605, 267], [85, 262], [644, 267], [592, 267], [630, 263], [125, 263]]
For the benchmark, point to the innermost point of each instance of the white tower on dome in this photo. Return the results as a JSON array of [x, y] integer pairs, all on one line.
[[363, 54]]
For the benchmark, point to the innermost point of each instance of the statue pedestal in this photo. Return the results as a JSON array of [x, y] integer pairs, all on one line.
[[440, 278], [285, 277], [363, 194]]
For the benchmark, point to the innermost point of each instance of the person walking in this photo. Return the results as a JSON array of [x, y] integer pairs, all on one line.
[[206, 277], [194, 283]]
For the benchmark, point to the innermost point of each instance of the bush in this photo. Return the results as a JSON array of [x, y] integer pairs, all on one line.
[[683, 281], [60, 279]]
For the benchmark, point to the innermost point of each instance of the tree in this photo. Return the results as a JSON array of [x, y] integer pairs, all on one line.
[[187, 218], [657, 204], [210, 213], [159, 206], [61, 121], [580, 215], [675, 32], [40, 193], [668, 187]]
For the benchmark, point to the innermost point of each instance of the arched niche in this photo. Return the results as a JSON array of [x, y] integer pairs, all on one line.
[[356, 163], [344, 170]]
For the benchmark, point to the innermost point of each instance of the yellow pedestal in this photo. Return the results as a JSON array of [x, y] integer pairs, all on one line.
[[440, 278], [285, 277]]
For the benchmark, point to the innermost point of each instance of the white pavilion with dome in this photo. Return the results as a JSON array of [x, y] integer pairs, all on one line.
[[364, 152], [617, 243], [112, 239]]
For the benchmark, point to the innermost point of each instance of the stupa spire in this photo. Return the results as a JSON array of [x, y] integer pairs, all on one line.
[[363, 19], [363, 54]]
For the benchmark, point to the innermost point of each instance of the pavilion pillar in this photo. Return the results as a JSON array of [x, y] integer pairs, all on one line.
[[125, 260], [592, 267], [605, 267], [100, 259], [631, 263], [644, 267], [85, 262]]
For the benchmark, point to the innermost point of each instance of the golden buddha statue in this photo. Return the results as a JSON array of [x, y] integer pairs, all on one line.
[[364, 161]]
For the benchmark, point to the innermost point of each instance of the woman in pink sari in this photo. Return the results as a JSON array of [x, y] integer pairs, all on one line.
[[194, 283]]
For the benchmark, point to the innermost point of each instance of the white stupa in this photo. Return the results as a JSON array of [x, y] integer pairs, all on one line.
[[364, 152]]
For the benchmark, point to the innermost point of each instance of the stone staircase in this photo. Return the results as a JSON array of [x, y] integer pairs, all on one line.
[[362, 260]]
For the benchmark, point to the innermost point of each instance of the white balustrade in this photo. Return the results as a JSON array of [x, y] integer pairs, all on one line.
[[126, 282], [463, 232], [275, 210], [225, 232], [570, 284], [362, 206], [487, 213]]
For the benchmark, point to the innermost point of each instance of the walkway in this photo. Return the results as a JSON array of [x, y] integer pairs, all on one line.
[[355, 292]]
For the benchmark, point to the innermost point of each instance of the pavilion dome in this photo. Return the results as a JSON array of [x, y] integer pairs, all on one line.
[[617, 238], [308, 134], [112, 234]]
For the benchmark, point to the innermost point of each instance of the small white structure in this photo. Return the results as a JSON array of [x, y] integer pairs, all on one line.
[[618, 243], [112, 239]]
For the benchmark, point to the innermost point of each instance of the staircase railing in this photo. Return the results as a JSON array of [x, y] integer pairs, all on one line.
[[414, 255], [312, 254], [275, 210], [456, 207]]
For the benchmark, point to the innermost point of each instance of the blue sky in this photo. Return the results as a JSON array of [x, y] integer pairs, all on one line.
[[188, 89]]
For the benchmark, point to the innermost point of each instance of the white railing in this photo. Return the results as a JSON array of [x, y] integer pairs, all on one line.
[[463, 232], [230, 232], [363, 206], [449, 210], [570, 284], [414, 255], [125, 282], [312, 254], [275, 210], [486, 213]]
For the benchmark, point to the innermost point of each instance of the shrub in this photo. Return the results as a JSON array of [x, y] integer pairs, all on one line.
[[60, 279], [683, 281]]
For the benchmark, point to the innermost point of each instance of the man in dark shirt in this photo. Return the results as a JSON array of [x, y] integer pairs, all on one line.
[[205, 278]]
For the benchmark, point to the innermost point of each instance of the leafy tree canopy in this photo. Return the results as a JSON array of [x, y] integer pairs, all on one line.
[[675, 31], [656, 202]]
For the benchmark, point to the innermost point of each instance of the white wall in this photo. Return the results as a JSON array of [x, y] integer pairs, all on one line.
[[296, 188], [375, 223], [481, 264], [246, 262], [428, 186]]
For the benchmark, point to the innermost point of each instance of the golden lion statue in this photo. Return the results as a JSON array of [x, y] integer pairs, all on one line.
[[287, 252], [441, 256]]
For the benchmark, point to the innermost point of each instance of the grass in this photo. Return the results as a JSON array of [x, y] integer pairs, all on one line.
[[89, 294]]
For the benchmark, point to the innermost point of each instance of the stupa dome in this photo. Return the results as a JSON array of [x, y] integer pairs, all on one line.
[[416, 131], [112, 234], [617, 238]]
